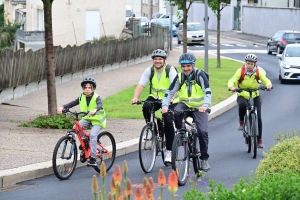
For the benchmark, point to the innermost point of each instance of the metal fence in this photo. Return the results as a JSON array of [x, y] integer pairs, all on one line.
[[21, 68]]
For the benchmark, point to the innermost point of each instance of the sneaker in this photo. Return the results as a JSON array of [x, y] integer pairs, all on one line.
[[168, 155], [204, 165], [241, 126], [149, 135], [92, 162], [260, 144]]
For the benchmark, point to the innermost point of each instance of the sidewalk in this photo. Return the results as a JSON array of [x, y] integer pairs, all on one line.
[[26, 153]]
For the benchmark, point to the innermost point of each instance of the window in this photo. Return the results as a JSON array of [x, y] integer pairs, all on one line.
[[297, 3], [40, 15], [92, 24]]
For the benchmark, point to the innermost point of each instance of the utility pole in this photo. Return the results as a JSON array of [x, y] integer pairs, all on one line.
[[206, 38], [171, 26], [151, 9]]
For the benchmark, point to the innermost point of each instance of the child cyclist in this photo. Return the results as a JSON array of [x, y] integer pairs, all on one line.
[[90, 102]]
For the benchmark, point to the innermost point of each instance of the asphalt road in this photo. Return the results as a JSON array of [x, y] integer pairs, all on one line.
[[228, 157]]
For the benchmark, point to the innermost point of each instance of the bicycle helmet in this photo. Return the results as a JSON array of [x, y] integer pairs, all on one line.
[[158, 53], [251, 58], [89, 80], [187, 58]]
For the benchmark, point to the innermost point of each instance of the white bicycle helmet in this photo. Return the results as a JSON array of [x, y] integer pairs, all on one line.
[[159, 53], [251, 58], [89, 80]]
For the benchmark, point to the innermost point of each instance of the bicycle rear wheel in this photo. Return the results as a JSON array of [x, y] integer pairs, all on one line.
[[106, 150], [196, 159], [64, 158], [180, 158], [253, 134], [147, 149]]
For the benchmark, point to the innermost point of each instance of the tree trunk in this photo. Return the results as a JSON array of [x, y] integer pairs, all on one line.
[[184, 28], [218, 39], [50, 68]]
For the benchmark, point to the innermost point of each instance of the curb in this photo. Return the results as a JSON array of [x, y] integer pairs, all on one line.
[[12, 176]]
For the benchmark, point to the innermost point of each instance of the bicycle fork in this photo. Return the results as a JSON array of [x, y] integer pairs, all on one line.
[[64, 149]]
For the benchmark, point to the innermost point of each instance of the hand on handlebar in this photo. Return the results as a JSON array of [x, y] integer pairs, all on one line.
[[202, 109], [134, 100], [164, 110], [92, 112]]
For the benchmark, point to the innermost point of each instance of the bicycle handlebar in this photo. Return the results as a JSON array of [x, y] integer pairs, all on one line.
[[144, 101], [67, 110], [261, 87], [208, 110]]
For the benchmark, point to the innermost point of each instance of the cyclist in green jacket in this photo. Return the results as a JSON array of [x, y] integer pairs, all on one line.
[[192, 87], [249, 81], [159, 83], [90, 102]]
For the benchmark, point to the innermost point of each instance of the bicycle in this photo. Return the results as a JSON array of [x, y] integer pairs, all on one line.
[[151, 144], [250, 129], [64, 157], [186, 146]]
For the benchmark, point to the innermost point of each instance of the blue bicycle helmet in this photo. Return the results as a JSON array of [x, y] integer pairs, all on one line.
[[187, 58], [89, 80]]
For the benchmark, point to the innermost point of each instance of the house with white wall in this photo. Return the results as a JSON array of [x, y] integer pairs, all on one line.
[[74, 22]]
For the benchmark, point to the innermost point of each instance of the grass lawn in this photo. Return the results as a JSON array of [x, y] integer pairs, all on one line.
[[119, 105]]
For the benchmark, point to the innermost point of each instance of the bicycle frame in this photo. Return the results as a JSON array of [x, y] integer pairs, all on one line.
[[187, 134], [78, 130], [250, 109]]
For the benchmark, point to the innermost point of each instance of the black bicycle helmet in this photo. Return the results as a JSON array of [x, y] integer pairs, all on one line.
[[187, 58], [89, 80], [158, 53], [251, 58]]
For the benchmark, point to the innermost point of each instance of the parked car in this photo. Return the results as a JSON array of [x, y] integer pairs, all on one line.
[[156, 15], [145, 24], [195, 33], [278, 42], [162, 22], [175, 19], [174, 31], [289, 63]]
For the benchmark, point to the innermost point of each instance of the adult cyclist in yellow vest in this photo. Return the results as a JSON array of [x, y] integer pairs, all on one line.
[[96, 118], [160, 84], [249, 81], [193, 92]]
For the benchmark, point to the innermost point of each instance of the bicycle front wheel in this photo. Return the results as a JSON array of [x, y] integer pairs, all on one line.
[[147, 149], [196, 159], [247, 136], [106, 150], [253, 134], [180, 158], [64, 158]]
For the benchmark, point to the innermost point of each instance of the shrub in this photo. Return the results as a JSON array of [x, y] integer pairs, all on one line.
[[281, 157], [45, 121], [285, 185]]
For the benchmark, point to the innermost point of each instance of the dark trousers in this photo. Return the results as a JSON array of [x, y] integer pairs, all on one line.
[[201, 120], [242, 102], [168, 121]]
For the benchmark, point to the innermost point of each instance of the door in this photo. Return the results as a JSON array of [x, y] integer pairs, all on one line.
[[92, 25]]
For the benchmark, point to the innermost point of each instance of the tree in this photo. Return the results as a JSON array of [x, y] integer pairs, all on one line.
[[182, 4], [50, 69], [217, 6]]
